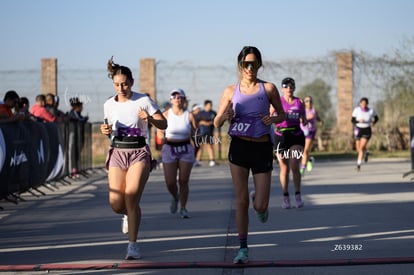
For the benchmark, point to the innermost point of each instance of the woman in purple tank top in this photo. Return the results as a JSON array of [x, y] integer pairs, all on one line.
[[309, 130], [246, 106], [289, 142]]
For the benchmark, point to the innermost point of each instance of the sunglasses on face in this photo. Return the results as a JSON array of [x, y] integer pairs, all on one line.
[[254, 64], [288, 86], [177, 97]]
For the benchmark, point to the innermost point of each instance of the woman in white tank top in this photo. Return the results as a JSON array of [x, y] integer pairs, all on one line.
[[178, 151]]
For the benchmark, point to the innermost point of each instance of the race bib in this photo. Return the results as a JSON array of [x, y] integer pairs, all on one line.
[[242, 126], [179, 150], [292, 116], [129, 132]]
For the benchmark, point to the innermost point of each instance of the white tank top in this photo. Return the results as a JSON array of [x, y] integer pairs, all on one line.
[[179, 127]]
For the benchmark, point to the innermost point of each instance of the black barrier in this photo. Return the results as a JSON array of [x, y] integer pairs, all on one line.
[[33, 153]]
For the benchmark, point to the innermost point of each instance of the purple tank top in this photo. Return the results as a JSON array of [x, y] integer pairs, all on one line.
[[248, 110], [294, 112], [311, 123]]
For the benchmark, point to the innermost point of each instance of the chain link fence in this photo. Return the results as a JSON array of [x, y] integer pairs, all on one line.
[[373, 77]]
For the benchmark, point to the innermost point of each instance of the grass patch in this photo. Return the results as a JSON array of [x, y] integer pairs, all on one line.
[[98, 160]]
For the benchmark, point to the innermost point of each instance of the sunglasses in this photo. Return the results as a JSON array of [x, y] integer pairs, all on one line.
[[177, 97], [250, 64], [288, 85]]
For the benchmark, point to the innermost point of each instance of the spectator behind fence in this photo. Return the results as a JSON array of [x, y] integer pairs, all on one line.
[[205, 132], [24, 106], [195, 110], [76, 112], [39, 110], [52, 105], [10, 102], [76, 136]]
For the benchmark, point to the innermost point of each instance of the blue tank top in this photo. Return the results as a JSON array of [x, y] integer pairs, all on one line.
[[248, 110]]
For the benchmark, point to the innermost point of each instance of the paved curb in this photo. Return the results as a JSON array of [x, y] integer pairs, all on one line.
[[169, 265]]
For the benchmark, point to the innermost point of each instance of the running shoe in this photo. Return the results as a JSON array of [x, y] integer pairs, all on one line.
[[184, 213], [174, 205], [133, 252], [242, 256], [261, 216], [309, 164], [286, 202], [299, 202], [125, 224], [358, 168], [212, 163], [366, 154]]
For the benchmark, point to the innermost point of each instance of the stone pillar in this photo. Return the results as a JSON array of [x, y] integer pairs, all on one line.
[[49, 76], [344, 63], [147, 77], [147, 85]]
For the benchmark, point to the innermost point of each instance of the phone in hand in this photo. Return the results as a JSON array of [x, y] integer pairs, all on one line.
[[106, 123]]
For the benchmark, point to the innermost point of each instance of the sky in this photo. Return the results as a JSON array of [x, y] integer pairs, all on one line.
[[86, 33]]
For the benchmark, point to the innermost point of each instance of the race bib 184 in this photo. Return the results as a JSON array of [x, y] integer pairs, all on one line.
[[179, 150]]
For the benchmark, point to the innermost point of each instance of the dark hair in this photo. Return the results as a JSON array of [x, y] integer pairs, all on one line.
[[248, 50], [41, 97], [115, 69], [364, 99], [11, 95], [50, 95], [208, 102], [310, 98], [23, 101]]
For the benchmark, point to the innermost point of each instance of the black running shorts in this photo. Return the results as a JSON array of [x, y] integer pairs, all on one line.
[[257, 156]]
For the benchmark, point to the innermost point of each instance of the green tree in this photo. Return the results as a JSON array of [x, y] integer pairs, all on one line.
[[399, 102], [319, 91]]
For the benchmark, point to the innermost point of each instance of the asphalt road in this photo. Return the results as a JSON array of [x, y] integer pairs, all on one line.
[[352, 222]]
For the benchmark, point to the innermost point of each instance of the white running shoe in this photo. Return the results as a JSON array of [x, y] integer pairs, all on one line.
[[133, 252], [212, 163], [125, 224], [184, 213]]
